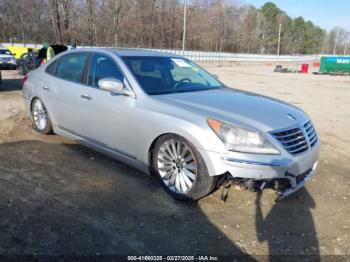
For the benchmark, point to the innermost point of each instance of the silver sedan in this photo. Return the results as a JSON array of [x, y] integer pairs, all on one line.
[[165, 115]]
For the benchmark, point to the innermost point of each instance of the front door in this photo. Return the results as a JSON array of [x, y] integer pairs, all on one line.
[[106, 119]]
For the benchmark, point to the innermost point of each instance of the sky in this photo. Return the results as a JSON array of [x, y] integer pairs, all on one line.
[[324, 13]]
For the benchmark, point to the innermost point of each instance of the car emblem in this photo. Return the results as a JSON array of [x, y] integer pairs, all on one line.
[[291, 117]]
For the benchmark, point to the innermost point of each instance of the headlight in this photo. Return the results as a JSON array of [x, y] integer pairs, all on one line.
[[242, 140]]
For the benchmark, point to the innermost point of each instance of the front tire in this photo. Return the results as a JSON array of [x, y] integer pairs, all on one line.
[[40, 117], [21, 70], [181, 169]]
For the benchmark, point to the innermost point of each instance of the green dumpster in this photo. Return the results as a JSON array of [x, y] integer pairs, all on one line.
[[335, 64]]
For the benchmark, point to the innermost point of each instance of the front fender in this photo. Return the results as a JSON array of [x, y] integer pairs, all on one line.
[[154, 124]]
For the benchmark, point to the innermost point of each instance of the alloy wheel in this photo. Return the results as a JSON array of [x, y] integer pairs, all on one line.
[[177, 166], [40, 115]]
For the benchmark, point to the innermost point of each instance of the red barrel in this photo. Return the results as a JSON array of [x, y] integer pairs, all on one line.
[[304, 68]]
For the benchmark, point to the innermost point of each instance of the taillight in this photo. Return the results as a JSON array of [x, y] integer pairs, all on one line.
[[24, 79]]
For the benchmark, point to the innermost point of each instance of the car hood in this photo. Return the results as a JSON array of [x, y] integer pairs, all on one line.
[[237, 107]]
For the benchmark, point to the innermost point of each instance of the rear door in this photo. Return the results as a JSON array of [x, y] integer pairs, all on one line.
[[107, 119], [61, 89]]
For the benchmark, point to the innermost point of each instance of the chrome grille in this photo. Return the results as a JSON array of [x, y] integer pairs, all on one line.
[[311, 133], [294, 140], [6, 59]]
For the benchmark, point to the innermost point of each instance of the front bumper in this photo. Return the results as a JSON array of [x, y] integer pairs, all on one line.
[[299, 183], [6, 65], [267, 167]]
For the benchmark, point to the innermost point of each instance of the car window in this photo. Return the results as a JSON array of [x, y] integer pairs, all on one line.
[[5, 52], [179, 73], [166, 75], [143, 69], [50, 69], [103, 67], [32, 55], [71, 67]]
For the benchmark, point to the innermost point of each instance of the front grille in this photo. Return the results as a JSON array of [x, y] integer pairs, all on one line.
[[311, 133], [6, 59], [294, 140]]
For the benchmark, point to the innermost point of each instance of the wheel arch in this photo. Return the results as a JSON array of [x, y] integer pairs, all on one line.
[[191, 127], [189, 139], [151, 148]]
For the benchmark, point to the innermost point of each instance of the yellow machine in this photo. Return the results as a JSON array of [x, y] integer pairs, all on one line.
[[18, 50]]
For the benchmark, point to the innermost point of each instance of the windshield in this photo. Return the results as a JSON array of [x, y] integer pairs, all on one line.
[[166, 75], [5, 52]]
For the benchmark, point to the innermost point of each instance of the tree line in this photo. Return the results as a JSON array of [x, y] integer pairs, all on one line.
[[212, 25]]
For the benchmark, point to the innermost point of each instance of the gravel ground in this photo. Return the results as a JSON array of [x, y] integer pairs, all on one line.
[[57, 197]]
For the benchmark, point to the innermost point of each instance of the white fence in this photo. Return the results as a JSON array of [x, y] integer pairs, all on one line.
[[239, 57], [213, 56]]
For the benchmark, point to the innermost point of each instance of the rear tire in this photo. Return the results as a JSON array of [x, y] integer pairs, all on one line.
[[40, 117], [181, 169]]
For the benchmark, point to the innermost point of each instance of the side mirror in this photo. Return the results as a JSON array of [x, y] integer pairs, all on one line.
[[111, 84], [115, 86]]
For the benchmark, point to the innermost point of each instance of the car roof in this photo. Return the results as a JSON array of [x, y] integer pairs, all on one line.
[[132, 52]]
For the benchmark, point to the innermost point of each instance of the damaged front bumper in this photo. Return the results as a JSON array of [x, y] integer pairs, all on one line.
[[285, 186], [298, 182], [290, 172]]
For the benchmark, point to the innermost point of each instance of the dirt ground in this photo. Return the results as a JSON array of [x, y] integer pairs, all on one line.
[[57, 197]]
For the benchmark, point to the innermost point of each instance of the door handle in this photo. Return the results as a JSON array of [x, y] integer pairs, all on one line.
[[46, 88], [85, 97]]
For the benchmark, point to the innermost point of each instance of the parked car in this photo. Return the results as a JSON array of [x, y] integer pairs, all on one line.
[[7, 59], [18, 50], [165, 115], [28, 62], [32, 60]]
